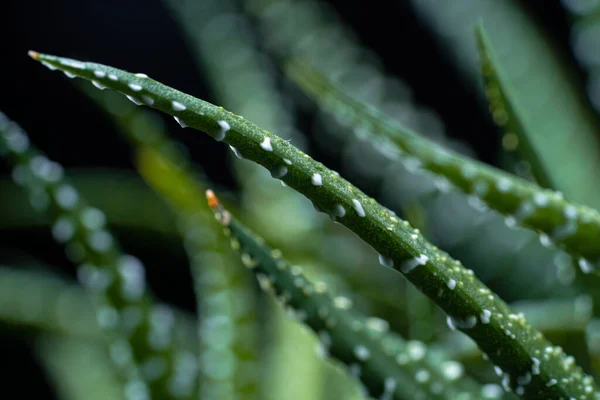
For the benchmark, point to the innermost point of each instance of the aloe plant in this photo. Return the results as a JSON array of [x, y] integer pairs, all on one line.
[[530, 363], [436, 276]]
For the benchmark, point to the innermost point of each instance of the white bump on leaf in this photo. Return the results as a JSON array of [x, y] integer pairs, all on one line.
[[266, 144], [177, 106], [358, 207], [317, 180], [135, 87]]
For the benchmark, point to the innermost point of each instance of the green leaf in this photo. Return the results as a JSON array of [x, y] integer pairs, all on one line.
[[551, 316], [312, 30], [531, 365], [137, 327], [227, 334], [165, 167], [44, 302], [506, 112], [563, 223], [78, 369], [584, 18], [561, 124], [389, 367]]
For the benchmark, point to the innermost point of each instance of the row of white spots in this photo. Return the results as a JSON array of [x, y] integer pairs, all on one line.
[[415, 349], [97, 279]]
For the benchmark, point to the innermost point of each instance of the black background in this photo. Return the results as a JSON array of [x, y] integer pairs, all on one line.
[[140, 36]]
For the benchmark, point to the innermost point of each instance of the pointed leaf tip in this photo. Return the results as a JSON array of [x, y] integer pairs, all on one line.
[[213, 200], [33, 54], [222, 215]]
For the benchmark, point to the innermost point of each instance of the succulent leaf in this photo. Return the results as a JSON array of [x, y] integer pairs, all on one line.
[[506, 112], [544, 84], [139, 329], [227, 333], [564, 223], [215, 271], [388, 366]]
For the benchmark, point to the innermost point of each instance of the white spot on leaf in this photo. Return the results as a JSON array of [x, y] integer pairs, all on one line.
[[358, 207], [266, 144], [177, 106], [317, 180]]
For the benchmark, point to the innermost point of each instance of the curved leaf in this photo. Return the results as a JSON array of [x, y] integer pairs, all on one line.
[[574, 227], [217, 275], [554, 110], [227, 334], [389, 367], [140, 331]]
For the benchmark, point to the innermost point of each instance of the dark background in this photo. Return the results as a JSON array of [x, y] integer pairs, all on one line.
[[141, 36]]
